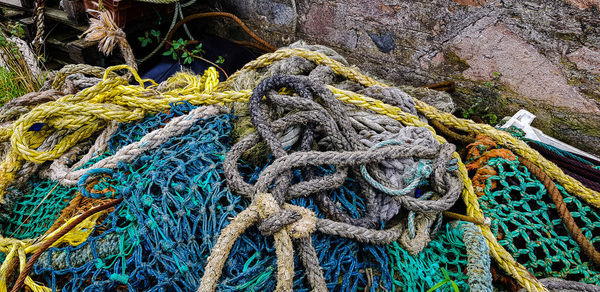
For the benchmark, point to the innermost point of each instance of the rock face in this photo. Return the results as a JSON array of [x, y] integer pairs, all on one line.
[[541, 55]]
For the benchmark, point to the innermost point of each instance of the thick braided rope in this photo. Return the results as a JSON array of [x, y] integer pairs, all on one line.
[[478, 267], [89, 111], [506, 261], [70, 69], [38, 19], [70, 177], [268, 203]]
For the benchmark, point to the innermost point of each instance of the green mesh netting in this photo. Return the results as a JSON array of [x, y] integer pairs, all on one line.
[[526, 223], [424, 270], [37, 210]]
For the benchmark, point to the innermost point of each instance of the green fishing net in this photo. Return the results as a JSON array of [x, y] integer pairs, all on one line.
[[526, 223], [37, 210]]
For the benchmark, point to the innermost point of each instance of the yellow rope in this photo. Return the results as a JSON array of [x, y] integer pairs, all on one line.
[[114, 99], [89, 111], [14, 248]]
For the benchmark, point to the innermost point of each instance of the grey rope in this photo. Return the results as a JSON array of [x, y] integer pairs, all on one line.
[[561, 285], [316, 110]]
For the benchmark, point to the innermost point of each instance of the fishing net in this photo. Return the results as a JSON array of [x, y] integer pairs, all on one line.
[[160, 237], [525, 220], [308, 175], [37, 210]]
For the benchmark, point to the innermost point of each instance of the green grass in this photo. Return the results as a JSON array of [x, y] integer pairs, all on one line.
[[10, 87]]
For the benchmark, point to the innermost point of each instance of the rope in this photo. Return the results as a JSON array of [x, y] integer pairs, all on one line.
[[84, 114], [38, 19], [504, 259], [285, 221], [90, 110], [571, 164], [107, 33], [17, 249], [480, 277], [71, 176], [70, 69], [557, 284], [523, 221]]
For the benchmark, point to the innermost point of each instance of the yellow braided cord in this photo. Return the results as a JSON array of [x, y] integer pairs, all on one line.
[[88, 111]]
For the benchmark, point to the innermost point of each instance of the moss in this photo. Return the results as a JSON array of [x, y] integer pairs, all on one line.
[[454, 61]]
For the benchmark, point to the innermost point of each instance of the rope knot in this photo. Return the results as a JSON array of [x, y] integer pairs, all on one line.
[[298, 221]]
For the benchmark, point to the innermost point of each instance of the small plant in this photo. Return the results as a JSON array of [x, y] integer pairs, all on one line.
[[483, 100], [19, 71], [16, 29], [148, 37], [10, 87], [180, 52]]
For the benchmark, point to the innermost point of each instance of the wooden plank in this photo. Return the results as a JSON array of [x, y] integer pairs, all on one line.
[[12, 13], [62, 17], [12, 2], [28, 27], [75, 11]]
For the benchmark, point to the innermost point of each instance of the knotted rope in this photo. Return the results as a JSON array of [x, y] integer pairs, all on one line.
[[289, 223], [104, 30]]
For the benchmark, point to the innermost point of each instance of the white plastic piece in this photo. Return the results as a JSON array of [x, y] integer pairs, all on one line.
[[522, 120]]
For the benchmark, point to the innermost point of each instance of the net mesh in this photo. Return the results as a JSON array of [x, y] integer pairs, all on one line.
[[37, 210], [525, 220], [176, 203]]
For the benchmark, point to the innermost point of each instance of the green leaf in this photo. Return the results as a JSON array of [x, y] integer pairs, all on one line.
[[438, 285], [220, 60], [184, 55], [188, 60], [175, 57], [155, 33], [168, 53]]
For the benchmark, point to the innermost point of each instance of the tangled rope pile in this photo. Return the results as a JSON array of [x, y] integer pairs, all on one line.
[[332, 151], [285, 221]]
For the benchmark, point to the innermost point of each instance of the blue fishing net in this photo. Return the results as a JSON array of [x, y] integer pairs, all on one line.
[[176, 203]]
